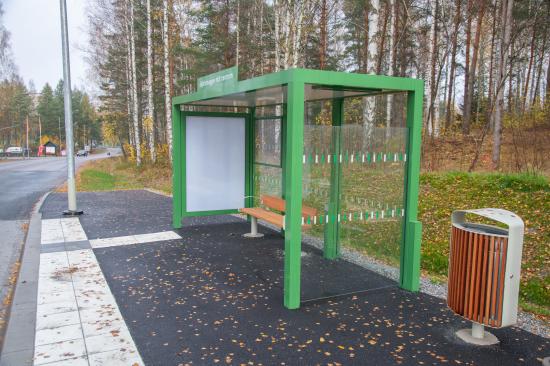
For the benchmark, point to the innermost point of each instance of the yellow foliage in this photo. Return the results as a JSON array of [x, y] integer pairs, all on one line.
[[148, 124], [46, 138], [108, 131]]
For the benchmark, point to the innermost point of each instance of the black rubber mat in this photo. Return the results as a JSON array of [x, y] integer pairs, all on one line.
[[118, 213]]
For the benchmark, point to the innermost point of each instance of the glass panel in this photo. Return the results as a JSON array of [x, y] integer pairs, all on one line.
[[268, 141], [267, 181], [213, 109], [372, 189], [264, 96], [269, 111], [316, 179], [353, 194]]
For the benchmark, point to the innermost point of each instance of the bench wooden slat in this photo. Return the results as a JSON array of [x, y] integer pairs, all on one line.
[[271, 217], [279, 204]]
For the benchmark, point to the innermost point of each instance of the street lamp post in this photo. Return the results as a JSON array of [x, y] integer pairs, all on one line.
[[71, 184], [28, 152]]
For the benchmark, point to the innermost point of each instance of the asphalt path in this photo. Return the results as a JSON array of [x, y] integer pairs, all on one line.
[[22, 183]]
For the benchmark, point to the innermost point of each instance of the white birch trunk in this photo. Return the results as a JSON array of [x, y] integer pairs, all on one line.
[[237, 24], [134, 84], [261, 37], [297, 42], [286, 36], [129, 94], [276, 7], [369, 104], [389, 100], [166, 64], [428, 112], [150, 115]]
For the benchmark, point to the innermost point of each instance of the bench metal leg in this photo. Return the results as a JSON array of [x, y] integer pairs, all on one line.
[[253, 229]]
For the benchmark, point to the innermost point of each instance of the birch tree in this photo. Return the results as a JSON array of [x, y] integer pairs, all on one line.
[[166, 69], [148, 121], [391, 66], [369, 102], [135, 108]]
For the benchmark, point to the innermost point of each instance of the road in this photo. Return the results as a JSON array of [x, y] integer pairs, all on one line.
[[22, 183]]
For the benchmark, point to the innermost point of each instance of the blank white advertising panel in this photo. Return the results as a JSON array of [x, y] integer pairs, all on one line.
[[215, 162]]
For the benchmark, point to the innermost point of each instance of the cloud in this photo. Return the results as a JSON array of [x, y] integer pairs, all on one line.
[[36, 40]]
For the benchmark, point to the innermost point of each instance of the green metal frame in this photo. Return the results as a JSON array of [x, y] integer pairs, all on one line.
[[293, 143]]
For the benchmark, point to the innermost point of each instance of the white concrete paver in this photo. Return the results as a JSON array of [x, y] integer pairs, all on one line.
[[79, 361], [52, 231], [134, 239], [58, 334], [72, 230], [59, 351], [49, 321], [78, 321], [56, 308], [114, 358]]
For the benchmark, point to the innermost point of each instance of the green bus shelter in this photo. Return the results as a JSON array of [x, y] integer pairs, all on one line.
[[345, 145]]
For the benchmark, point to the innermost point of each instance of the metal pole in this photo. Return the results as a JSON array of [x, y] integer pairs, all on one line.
[[71, 186], [59, 133], [477, 330], [40, 130]]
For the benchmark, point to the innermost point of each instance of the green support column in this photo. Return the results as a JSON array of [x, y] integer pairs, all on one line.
[[293, 193], [250, 135], [409, 278], [331, 247], [178, 145]]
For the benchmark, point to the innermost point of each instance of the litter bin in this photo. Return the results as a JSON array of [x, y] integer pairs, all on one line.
[[484, 271]]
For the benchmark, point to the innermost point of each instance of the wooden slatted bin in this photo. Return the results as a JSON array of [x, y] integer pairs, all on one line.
[[484, 268]]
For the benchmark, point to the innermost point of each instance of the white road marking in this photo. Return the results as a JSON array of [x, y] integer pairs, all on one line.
[[134, 239], [78, 321]]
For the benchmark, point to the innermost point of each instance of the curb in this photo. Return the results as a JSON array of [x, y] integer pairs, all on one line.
[[18, 348]]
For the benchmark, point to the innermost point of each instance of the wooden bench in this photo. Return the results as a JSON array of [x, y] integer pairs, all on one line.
[[273, 203]]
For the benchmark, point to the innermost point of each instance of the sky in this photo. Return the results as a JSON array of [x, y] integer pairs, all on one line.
[[35, 28]]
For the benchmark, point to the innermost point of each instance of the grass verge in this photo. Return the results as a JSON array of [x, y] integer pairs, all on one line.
[[117, 174]]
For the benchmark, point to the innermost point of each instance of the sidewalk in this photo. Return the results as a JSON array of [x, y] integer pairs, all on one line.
[[118, 287]]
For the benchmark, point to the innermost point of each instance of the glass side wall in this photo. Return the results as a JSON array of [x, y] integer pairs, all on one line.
[[353, 180], [268, 158]]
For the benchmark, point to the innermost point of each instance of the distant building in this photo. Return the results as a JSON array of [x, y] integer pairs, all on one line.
[[49, 148]]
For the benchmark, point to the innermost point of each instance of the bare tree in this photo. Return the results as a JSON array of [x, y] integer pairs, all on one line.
[[432, 85], [471, 74], [506, 28], [323, 35]]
